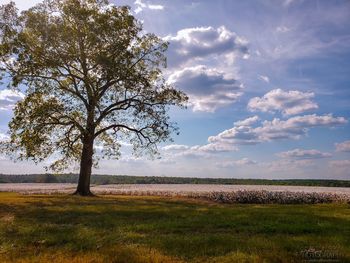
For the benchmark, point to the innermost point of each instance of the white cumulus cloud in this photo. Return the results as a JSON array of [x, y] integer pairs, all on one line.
[[175, 147], [247, 122], [208, 88], [140, 6], [288, 102], [3, 137], [178, 150], [343, 146], [201, 42], [213, 148], [292, 128], [8, 98]]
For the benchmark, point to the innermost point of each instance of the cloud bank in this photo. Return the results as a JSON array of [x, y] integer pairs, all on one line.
[[304, 154], [292, 128]]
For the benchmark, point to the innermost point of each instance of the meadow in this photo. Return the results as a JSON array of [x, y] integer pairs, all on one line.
[[253, 194], [64, 228]]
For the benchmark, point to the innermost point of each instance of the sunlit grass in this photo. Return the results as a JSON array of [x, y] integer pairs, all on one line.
[[60, 228]]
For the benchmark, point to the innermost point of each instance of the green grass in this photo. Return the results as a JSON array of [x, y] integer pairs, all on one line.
[[59, 228]]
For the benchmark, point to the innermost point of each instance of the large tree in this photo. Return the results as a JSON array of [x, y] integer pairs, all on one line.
[[91, 76]]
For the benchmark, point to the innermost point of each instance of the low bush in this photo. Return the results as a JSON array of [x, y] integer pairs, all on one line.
[[247, 196]]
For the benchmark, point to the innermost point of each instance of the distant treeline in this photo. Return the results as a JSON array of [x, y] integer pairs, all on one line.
[[125, 179]]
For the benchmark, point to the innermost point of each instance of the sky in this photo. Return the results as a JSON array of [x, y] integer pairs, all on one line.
[[268, 84]]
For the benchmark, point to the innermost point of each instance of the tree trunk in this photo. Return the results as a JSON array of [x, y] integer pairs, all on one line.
[[83, 188]]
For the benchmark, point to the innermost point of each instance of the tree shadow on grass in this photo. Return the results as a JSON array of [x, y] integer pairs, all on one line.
[[177, 228]]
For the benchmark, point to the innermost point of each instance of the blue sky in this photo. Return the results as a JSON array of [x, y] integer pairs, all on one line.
[[269, 89]]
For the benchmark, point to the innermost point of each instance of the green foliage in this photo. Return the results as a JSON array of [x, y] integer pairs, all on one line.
[[91, 77], [125, 179], [150, 229]]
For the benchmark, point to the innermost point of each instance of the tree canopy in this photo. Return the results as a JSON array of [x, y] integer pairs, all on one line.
[[92, 77]]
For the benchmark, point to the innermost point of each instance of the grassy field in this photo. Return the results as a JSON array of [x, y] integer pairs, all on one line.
[[59, 228]]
